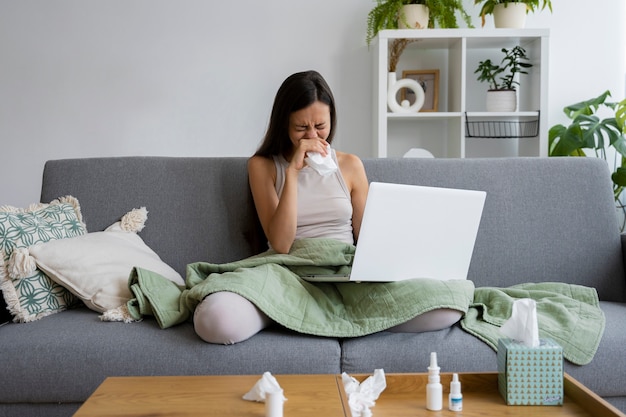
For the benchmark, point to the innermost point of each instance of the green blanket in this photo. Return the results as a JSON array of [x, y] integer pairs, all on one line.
[[569, 314], [272, 282]]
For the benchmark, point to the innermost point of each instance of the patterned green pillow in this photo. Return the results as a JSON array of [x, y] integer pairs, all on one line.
[[34, 296]]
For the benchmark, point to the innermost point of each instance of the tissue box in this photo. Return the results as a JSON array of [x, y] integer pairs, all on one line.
[[530, 375]]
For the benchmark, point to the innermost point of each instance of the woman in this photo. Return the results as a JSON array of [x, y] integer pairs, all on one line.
[[294, 201]]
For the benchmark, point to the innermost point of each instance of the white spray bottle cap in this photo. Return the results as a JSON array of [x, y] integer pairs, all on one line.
[[433, 369], [433, 362], [455, 385]]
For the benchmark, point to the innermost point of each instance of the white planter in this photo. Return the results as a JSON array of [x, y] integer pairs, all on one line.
[[501, 100], [394, 86], [510, 15], [414, 14]]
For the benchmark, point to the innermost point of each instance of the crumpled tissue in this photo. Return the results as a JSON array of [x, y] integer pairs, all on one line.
[[522, 325], [324, 165], [362, 396], [267, 384]]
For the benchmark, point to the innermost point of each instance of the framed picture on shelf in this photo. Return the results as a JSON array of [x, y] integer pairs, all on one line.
[[429, 80]]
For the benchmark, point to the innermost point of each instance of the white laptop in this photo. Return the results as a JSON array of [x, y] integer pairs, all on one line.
[[411, 231]]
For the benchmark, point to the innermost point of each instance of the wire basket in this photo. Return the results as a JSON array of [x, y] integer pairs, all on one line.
[[502, 129]]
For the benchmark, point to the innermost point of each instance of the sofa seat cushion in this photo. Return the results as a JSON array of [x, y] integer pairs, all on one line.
[[410, 352], [66, 356], [604, 375]]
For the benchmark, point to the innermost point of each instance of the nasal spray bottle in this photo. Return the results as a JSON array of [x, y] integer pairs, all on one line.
[[434, 391]]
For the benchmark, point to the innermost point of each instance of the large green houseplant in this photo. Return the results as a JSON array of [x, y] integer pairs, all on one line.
[[387, 13], [588, 133], [488, 6]]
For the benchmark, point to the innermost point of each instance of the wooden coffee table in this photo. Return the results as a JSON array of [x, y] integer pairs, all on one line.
[[320, 395], [181, 396]]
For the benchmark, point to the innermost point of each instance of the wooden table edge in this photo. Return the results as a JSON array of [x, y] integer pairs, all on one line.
[[587, 399]]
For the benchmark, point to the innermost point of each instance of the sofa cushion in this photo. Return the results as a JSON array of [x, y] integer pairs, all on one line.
[[410, 352], [34, 295], [68, 355], [96, 266]]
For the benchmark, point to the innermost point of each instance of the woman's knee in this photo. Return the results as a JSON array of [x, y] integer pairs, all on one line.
[[227, 318]]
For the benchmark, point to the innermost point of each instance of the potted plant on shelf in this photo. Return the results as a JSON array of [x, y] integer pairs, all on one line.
[[510, 13], [587, 131], [502, 95], [394, 14]]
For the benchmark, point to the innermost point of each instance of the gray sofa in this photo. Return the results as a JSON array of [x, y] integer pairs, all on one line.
[[544, 220]]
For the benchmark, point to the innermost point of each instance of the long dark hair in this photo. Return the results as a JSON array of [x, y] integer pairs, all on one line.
[[298, 91]]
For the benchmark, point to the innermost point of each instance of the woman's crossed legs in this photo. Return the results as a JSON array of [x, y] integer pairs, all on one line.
[[227, 318]]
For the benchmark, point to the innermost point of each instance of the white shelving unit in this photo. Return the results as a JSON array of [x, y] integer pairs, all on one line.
[[456, 53]]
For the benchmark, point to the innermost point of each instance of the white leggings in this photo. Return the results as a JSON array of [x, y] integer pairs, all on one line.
[[227, 318]]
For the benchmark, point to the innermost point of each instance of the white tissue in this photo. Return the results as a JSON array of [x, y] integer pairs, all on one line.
[[522, 325], [267, 384], [362, 396], [324, 165]]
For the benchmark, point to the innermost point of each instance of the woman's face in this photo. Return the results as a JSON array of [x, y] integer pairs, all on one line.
[[310, 122]]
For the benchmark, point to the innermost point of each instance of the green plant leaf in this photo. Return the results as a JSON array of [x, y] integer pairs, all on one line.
[[383, 16], [587, 107], [619, 176], [594, 131], [565, 141], [620, 115]]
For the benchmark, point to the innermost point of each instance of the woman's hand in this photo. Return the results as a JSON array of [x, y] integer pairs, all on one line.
[[303, 147]]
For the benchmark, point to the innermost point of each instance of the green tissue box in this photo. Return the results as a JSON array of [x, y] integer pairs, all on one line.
[[530, 375]]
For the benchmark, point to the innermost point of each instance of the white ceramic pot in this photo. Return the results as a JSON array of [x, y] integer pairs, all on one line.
[[416, 15], [501, 100], [394, 86], [509, 15]]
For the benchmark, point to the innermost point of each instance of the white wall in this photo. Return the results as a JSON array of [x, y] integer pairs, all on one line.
[[197, 78]]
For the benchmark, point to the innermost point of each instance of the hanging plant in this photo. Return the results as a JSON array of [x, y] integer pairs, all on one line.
[[443, 14], [395, 51], [531, 6]]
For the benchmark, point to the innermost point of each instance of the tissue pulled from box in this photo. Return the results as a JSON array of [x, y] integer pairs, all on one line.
[[362, 396], [522, 325], [266, 384], [324, 165]]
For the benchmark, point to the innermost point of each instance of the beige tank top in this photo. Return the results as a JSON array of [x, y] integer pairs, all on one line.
[[324, 204]]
